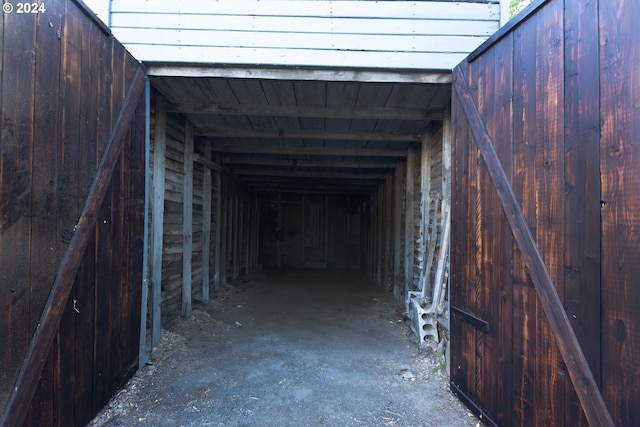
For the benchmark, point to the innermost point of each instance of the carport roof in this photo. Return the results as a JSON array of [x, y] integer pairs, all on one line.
[[292, 132]]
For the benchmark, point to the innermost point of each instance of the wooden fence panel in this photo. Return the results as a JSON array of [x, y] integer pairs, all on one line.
[[64, 81], [557, 92]]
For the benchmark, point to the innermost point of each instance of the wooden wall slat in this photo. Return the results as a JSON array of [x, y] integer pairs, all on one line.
[[462, 355], [549, 200], [582, 288], [524, 148], [619, 153], [16, 137]]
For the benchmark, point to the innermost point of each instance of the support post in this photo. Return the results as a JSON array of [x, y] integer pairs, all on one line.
[[388, 233], [218, 255], [398, 195], [409, 224], [206, 227], [157, 217], [224, 234], [187, 219], [234, 239]]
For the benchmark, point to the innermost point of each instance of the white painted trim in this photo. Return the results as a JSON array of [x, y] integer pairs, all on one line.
[[235, 56], [278, 41], [290, 73]]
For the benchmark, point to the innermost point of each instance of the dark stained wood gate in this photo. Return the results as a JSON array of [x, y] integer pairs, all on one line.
[[72, 181], [545, 256]]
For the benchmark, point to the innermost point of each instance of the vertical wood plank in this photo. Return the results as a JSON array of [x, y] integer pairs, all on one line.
[[582, 289], [620, 208], [69, 204], [206, 226], [85, 289], [218, 234], [157, 217], [235, 244], [388, 233], [187, 220], [524, 321], [224, 235], [425, 190], [246, 235], [409, 238], [495, 294], [398, 231], [16, 137], [549, 198], [44, 198], [462, 336], [379, 234]]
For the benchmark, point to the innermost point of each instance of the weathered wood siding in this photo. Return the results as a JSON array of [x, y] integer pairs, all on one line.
[[63, 82], [363, 34], [558, 94], [310, 231], [222, 219], [395, 219]]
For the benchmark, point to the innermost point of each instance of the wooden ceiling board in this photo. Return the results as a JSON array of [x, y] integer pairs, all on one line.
[[305, 135]]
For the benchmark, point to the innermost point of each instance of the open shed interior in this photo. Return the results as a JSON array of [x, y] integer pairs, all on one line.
[[265, 172]]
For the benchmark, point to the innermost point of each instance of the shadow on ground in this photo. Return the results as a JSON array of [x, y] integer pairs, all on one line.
[[290, 348]]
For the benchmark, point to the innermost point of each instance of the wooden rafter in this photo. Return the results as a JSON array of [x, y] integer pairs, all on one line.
[[297, 173], [317, 163], [307, 111], [311, 151], [305, 134]]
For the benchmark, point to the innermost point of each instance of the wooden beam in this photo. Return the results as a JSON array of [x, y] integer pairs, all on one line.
[[307, 111], [306, 134], [294, 173], [187, 220], [311, 151], [22, 392], [582, 378], [291, 73], [281, 182], [206, 226], [318, 163], [344, 192], [208, 162], [157, 217]]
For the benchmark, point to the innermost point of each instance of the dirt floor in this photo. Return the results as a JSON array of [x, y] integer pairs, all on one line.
[[290, 348]]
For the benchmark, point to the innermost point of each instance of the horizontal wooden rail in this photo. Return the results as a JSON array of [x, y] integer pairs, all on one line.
[[22, 393], [581, 376]]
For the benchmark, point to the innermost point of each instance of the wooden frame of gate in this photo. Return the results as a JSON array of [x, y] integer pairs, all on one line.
[[545, 218]]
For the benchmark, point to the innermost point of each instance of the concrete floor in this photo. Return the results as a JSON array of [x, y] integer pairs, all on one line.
[[291, 348]]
